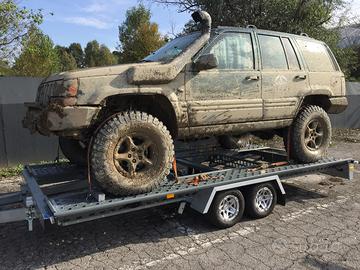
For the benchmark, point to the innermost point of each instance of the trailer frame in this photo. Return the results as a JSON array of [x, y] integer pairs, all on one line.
[[58, 193]]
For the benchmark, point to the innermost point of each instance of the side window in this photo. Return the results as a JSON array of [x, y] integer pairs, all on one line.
[[316, 56], [293, 60], [234, 51], [272, 53]]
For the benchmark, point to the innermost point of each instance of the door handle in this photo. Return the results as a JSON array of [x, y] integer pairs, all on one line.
[[300, 77], [252, 78]]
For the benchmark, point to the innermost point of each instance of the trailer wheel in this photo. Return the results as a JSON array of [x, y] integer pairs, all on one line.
[[227, 208], [260, 200], [132, 153]]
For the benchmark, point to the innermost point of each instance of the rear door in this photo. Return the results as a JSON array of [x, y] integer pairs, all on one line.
[[284, 78], [230, 93]]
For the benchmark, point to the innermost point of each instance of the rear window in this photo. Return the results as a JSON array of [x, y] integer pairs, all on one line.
[[316, 56]]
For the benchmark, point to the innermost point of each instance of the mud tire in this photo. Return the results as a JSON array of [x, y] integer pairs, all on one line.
[[110, 173], [73, 150], [299, 150], [232, 142]]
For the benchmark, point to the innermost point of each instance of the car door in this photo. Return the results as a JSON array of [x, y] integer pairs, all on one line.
[[284, 79], [231, 92]]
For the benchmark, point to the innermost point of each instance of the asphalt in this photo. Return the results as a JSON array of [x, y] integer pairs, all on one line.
[[319, 228]]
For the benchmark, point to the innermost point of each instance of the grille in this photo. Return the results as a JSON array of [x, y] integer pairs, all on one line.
[[47, 90]]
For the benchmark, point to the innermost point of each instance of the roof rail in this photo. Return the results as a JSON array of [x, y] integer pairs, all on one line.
[[251, 26]]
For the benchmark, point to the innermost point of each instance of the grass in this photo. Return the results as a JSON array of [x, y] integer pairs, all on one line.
[[17, 170], [11, 171]]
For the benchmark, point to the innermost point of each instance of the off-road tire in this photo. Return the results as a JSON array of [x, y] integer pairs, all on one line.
[[232, 142], [214, 214], [73, 150], [112, 174], [251, 194], [299, 150]]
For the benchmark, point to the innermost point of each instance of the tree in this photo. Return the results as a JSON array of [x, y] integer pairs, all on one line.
[[77, 52], [97, 55], [5, 70], [38, 57], [292, 16], [15, 23], [138, 36], [66, 59]]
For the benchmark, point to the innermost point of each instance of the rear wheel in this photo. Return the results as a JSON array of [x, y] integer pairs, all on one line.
[[310, 134], [132, 153], [74, 150], [260, 200], [227, 208]]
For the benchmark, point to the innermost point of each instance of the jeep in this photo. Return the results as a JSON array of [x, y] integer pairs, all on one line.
[[227, 81]]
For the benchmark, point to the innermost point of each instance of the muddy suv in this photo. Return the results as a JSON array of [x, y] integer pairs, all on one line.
[[225, 81]]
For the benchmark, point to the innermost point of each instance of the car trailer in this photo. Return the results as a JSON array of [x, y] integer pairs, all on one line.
[[214, 181]]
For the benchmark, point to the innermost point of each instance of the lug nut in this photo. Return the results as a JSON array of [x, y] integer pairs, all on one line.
[[129, 156], [134, 161]]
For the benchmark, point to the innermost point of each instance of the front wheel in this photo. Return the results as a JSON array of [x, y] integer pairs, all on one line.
[[310, 134], [132, 153]]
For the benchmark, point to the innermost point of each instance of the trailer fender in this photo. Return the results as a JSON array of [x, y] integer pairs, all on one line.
[[201, 201]]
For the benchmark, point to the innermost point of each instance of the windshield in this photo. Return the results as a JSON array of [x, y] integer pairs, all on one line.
[[172, 49]]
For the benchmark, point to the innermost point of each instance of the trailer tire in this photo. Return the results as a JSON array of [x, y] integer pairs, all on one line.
[[132, 153], [260, 200], [227, 208], [73, 150], [310, 135]]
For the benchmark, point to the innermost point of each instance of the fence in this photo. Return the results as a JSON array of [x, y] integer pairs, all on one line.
[[17, 145]]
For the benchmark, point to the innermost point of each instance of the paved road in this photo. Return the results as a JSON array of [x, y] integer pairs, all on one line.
[[319, 228]]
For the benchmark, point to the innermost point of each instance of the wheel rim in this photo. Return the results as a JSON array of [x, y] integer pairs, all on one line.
[[229, 207], [134, 154], [263, 199], [314, 134]]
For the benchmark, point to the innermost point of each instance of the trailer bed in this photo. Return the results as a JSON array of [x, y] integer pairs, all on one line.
[[59, 192]]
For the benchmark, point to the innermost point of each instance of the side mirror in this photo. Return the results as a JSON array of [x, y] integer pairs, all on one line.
[[206, 61]]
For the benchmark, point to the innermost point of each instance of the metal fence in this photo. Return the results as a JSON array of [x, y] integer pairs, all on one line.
[[17, 145]]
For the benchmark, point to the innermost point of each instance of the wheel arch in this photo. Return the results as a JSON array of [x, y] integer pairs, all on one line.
[[157, 105], [321, 100]]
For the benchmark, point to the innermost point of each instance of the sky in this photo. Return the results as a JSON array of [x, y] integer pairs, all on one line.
[[85, 20]]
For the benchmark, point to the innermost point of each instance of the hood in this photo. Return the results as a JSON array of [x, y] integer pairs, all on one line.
[[94, 72]]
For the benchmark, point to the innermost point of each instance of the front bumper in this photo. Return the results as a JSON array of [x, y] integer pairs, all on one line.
[[337, 105], [54, 118]]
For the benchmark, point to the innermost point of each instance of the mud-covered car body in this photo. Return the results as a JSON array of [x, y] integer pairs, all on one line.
[[213, 82]]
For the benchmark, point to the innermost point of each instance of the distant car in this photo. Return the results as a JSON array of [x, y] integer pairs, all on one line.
[[225, 81]]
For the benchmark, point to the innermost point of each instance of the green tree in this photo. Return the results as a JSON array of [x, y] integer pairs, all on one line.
[[293, 16], [15, 23], [38, 57], [66, 59], [5, 70], [97, 55], [77, 52], [138, 36]]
